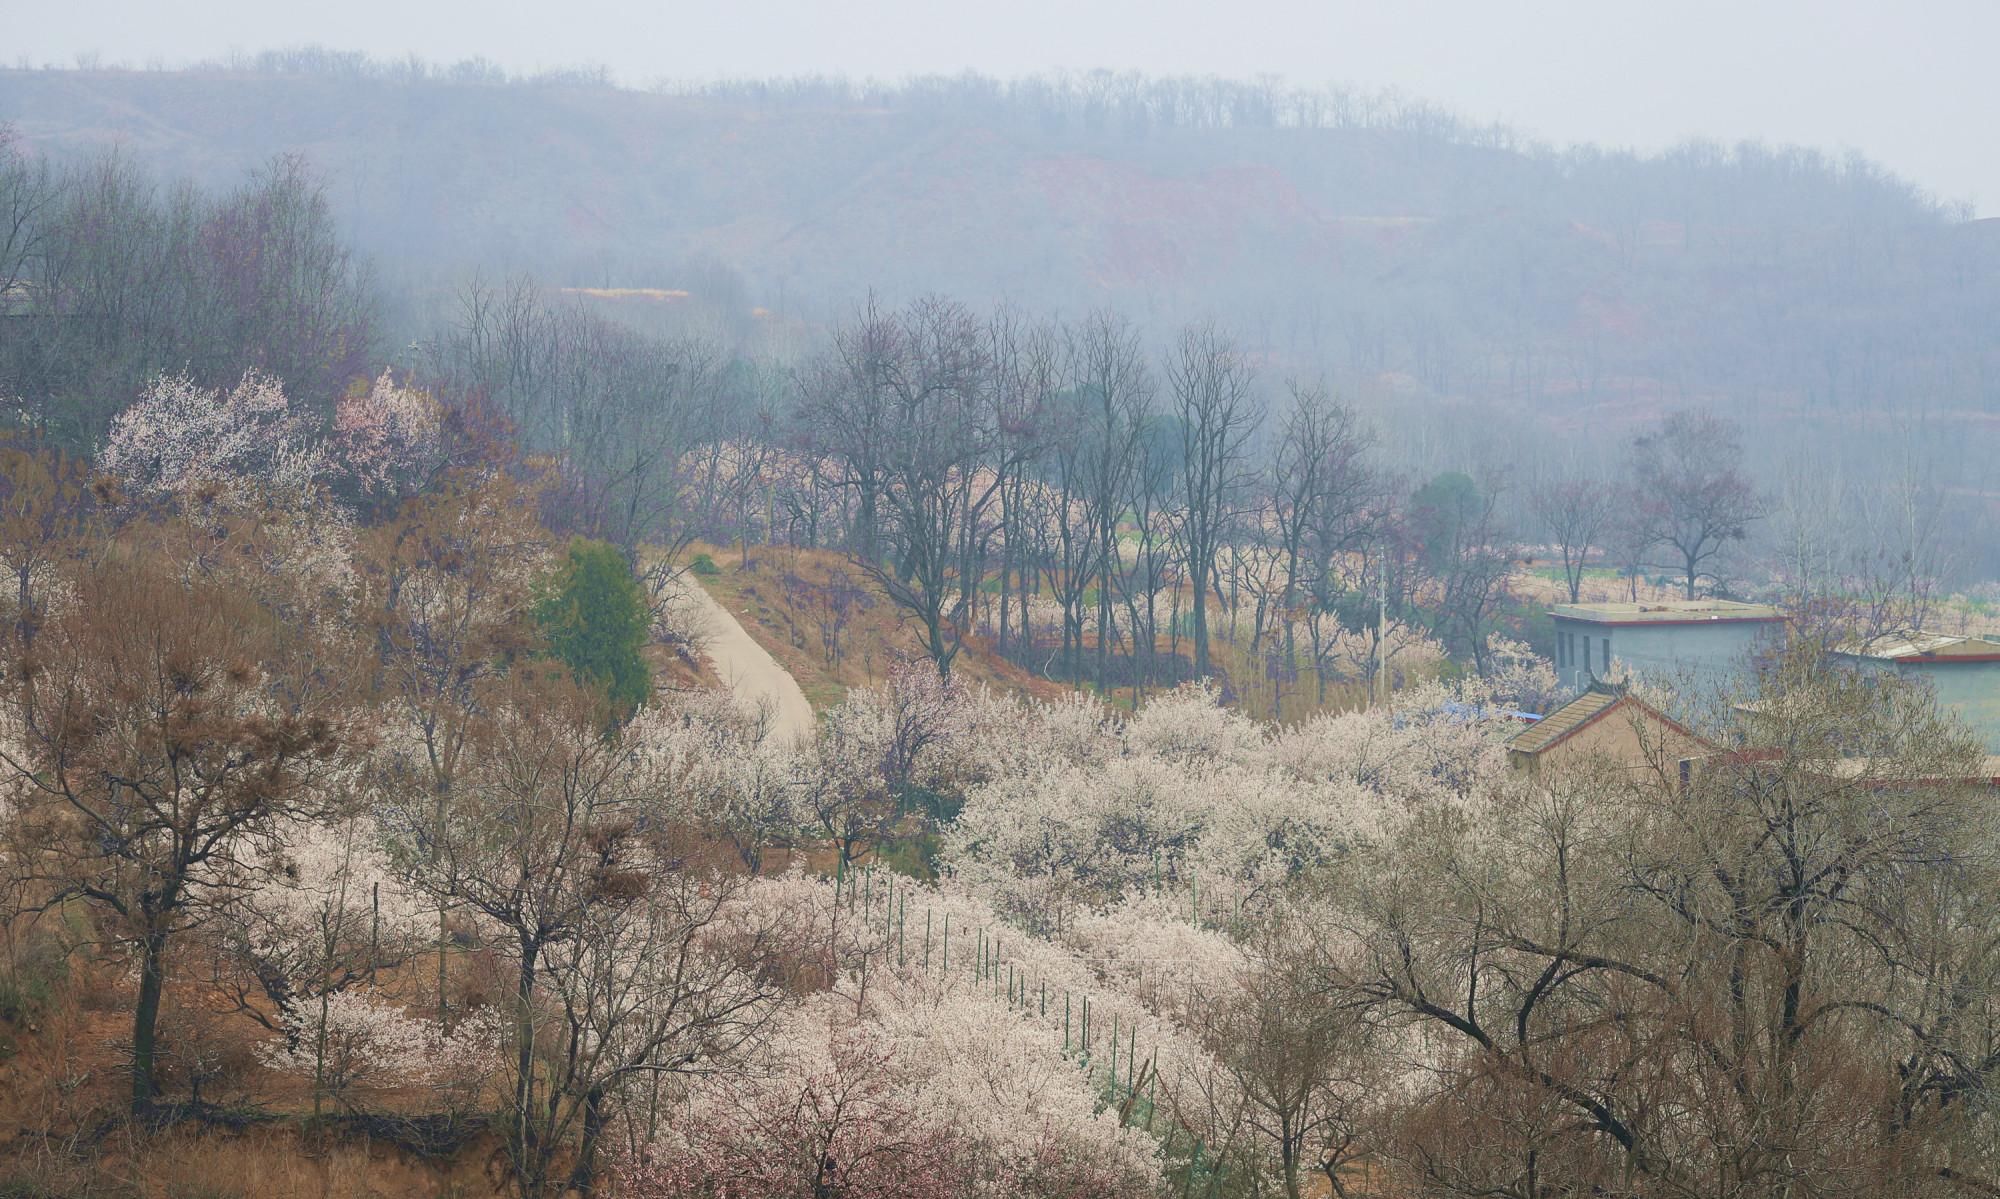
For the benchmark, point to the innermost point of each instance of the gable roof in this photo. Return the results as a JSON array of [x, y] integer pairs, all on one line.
[[1598, 700], [1915, 645]]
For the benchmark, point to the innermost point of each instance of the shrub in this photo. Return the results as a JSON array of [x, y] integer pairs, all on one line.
[[31, 977], [596, 621], [705, 566]]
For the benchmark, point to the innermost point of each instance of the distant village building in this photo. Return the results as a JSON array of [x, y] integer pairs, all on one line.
[[1963, 671], [1605, 726], [1701, 645]]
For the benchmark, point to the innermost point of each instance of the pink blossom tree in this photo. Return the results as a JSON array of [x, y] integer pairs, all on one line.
[[388, 441]]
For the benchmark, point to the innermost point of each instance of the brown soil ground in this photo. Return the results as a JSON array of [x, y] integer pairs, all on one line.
[[878, 636]]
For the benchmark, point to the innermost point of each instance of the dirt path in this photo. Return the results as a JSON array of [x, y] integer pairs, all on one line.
[[749, 670]]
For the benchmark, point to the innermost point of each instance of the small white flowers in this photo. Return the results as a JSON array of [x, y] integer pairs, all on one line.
[[180, 436], [389, 437], [355, 1045], [1194, 799]]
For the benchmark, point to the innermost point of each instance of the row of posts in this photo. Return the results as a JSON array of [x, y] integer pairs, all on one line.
[[1077, 1034], [858, 887]]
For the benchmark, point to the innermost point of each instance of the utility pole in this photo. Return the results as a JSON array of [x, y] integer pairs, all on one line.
[[1382, 627]]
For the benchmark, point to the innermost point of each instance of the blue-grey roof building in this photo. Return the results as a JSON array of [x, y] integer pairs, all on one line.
[[1963, 671], [1702, 645]]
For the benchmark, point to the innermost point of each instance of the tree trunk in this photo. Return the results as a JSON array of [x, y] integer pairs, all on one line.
[[1200, 615], [1006, 569], [583, 1179], [864, 531], [146, 1021], [1107, 544], [526, 1149]]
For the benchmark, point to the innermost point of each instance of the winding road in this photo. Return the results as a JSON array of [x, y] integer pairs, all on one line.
[[749, 670]]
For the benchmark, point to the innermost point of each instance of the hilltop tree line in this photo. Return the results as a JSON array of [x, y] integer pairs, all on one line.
[[1373, 239]]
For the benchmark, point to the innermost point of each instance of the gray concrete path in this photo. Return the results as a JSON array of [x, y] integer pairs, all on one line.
[[748, 669]]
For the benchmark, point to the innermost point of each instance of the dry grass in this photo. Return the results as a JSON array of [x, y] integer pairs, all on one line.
[[264, 1163], [64, 1090], [878, 637], [1289, 702], [1540, 581]]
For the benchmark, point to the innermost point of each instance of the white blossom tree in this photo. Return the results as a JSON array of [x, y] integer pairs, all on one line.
[[180, 437]]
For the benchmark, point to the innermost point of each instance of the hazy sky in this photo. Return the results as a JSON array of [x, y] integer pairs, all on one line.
[[1909, 84]]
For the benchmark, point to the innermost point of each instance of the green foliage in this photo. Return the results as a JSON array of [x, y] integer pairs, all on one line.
[[914, 854], [30, 979], [937, 806], [1355, 610], [594, 617], [705, 566], [1441, 510]]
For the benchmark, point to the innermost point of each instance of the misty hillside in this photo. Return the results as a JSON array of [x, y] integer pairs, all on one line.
[[1547, 300], [1401, 251]]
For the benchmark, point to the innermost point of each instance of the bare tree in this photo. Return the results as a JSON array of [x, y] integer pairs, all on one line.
[[1025, 360], [1301, 1059], [1218, 411], [845, 416], [1149, 501], [1320, 487], [445, 591], [27, 191], [544, 844], [903, 404], [173, 721], [1116, 394], [1628, 540], [1774, 945], [46, 498], [619, 413], [1066, 530], [1573, 514], [1467, 558], [650, 987], [1688, 488], [1857, 558]]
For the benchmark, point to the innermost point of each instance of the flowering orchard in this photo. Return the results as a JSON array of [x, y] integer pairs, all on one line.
[[297, 786], [455, 887]]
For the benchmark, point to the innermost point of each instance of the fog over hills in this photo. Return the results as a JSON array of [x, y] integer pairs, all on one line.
[[1411, 256]]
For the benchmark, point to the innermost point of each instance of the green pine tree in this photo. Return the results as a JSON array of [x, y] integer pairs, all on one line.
[[594, 616]]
